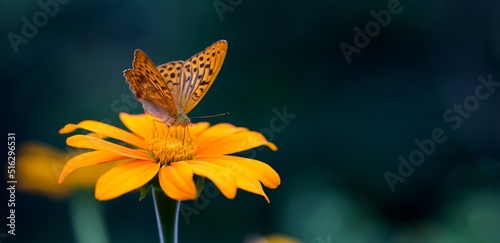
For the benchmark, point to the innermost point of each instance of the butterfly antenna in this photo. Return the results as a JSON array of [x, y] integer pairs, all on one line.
[[216, 115], [188, 132]]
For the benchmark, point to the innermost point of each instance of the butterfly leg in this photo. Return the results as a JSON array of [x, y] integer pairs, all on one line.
[[154, 120], [186, 130], [168, 130], [189, 133], [183, 136]]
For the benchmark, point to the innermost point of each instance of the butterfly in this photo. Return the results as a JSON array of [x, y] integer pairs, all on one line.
[[171, 90]]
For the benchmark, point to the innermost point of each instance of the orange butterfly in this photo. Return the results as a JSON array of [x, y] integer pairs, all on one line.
[[171, 90]]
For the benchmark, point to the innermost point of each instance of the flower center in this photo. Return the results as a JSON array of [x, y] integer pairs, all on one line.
[[167, 149]]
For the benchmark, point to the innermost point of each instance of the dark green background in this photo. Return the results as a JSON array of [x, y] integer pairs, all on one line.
[[352, 120]]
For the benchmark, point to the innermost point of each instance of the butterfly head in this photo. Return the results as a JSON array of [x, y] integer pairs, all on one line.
[[182, 119]]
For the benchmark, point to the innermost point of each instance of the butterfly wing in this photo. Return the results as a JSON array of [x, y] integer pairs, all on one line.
[[198, 73], [150, 88], [171, 72]]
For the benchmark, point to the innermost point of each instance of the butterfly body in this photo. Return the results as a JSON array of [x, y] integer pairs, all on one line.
[[179, 118], [170, 91]]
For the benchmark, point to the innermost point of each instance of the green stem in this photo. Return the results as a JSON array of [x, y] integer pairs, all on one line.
[[167, 216], [87, 218]]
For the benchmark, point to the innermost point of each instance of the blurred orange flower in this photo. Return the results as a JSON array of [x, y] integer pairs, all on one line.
[[39, 165], [274, 238]]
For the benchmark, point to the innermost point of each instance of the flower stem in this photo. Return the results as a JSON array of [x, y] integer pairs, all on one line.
[[167, 216], [87, 218]]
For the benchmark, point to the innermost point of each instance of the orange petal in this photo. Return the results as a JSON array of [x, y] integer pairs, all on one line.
[[97, 135], [124, 178], [177, 182], [89, 142], [245, 179], [251, 184], [196, 128], [262, 171], [220, 176], [141, 124], [234, 143], [217, 132], [105, 130], [86, 159]]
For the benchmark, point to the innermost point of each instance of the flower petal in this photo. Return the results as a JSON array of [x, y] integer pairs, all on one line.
[[234, 143], [176, 180], [140, 124], [124, 178], [90, 142], [251, 167], [86, 159], [245, 179], [219, 175], [251, 184], [106, 130], [196, 128], [217, 132]]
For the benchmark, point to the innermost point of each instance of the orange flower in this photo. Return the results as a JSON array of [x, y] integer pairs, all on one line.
[[172, 156], [274, 238]]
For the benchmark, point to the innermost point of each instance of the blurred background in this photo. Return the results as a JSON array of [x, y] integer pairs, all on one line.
[[340, 117]]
